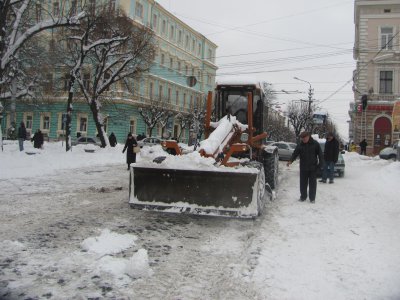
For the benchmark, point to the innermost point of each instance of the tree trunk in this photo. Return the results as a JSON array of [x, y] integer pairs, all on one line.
[[69, 113], [100, 128]]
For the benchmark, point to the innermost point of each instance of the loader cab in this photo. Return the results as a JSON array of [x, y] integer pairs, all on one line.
[[232, 99]]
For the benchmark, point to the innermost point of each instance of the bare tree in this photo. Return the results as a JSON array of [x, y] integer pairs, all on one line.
[[299, 116], [183, 120], [106, 49], [155, 112], [18, 25]]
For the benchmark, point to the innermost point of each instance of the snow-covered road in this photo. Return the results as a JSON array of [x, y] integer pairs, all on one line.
[[343, 247]]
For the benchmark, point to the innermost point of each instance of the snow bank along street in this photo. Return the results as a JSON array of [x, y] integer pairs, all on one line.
[[69, 233]]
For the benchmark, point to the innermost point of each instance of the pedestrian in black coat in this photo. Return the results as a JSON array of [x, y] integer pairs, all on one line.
[[21, 136], [37, 139], [129, 144], [311, 159], [331, 155], [363, 147], [113, 139]]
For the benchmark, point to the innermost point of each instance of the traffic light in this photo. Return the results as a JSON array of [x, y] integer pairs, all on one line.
[[364, 101]]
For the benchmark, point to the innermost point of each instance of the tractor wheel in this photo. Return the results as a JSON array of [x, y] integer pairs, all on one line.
[[270, 162]]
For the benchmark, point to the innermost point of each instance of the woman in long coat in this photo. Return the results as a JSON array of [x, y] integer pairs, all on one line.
[[129, 144]]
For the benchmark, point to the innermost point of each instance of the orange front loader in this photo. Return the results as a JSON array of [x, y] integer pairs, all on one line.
[[244, 166]]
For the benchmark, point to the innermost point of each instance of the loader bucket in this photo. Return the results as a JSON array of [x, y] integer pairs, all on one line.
[[223, 193]]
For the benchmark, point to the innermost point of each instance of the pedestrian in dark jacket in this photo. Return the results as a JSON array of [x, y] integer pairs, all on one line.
[[363, 147], [331, 155], [311, 159], [129, 144], [112, 139], [37, 139], [21, 136]]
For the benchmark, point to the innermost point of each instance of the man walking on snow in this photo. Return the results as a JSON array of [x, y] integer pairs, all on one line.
[[331, 155], [311, 159]]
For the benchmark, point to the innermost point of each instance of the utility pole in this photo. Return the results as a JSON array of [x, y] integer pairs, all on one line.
[[310, 93]]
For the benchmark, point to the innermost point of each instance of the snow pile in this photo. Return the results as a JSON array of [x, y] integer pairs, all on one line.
[[39, 162], [109, 243], [221, 135], [138, 265]]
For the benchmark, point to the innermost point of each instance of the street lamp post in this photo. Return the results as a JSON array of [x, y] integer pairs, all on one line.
[[310, 93], [1, 130]]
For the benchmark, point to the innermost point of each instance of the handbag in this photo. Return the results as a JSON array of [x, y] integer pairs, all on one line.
[[136, 149]]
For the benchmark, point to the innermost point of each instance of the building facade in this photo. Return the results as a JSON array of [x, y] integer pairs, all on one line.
[[182, 54], [377, 77]]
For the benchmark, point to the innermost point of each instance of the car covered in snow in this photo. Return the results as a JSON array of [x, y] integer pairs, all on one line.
[[389, 152], [149, 141], [83, 140]]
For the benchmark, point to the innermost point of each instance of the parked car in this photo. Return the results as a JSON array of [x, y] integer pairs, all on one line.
[[389, 152], [340, 166], [83, 140], [149, 141], [285, 149]]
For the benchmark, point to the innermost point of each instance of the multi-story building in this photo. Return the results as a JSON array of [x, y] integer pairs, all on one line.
[[377, 77], [182, 53]]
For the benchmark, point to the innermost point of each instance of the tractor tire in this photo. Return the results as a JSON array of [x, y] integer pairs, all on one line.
[[270, 161]]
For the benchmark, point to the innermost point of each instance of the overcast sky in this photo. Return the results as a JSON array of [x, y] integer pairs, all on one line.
[[276, 40]]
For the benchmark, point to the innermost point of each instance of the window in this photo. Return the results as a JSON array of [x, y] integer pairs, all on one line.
[[386, 82], [86, 81], [184, 100], [208, 79], [176, 97], [209, 54], [187, 42], [387, 38], [179, 66], [45, 122], [171, 32], [155, 20], [180, 36], [162, 59], [387, 10], [56, 8], [171, 63], [199, 49], [151, 90], [132, 126], [63, 121], [191, 101], [164, 27], [66, 79], [28, 121], [160, 92], [169, 94], [193, 44], [139, 10], [82, 124], [186, 69], [192, 71]]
